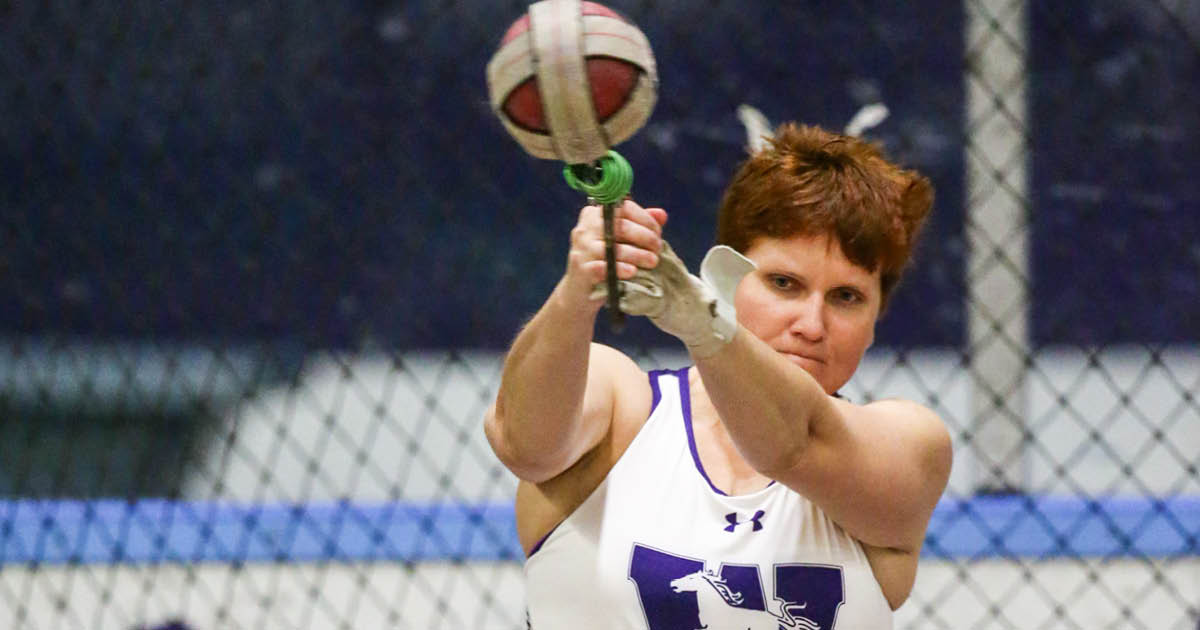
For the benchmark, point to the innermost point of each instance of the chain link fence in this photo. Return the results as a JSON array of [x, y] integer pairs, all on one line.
[[261, 260]]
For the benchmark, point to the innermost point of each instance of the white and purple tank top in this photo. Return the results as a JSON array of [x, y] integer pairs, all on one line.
[[656, 546]]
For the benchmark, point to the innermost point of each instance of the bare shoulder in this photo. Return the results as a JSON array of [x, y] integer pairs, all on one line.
[[923, 448], [901, 409], [630, 386], [893, 418], [920, 423], [614, 361], [625, 401], [878, 470], [628, 399]]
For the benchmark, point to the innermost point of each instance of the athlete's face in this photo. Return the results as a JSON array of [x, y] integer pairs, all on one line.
[[811, 304]]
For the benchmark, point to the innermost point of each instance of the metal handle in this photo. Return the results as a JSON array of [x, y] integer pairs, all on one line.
[[616, 319]]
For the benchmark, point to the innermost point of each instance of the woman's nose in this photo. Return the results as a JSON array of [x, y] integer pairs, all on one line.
[[808, 319]]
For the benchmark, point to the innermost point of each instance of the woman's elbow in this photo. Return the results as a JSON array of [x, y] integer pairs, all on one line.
[[528, 462]]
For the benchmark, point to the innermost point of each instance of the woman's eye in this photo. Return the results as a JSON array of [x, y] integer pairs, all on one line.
[[781, 282], [847, 296]]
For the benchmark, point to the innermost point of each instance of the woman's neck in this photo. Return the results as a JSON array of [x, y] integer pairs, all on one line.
[[718, 454]]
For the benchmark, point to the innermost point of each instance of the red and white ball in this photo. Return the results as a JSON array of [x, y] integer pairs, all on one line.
[[572, 79]]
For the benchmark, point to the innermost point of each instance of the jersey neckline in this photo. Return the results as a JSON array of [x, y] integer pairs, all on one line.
[[685, 401]]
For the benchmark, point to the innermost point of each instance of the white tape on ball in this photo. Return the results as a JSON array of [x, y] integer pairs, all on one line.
[[539, 80]]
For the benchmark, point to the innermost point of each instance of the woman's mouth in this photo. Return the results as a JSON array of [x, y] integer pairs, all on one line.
[[802, 359]]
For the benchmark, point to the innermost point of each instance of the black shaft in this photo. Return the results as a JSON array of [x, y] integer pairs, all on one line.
[[616, 319]]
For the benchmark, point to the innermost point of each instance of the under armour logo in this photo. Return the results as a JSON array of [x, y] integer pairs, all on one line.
[[734, 522]]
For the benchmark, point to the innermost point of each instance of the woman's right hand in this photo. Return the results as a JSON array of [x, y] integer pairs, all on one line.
[[638, 235]]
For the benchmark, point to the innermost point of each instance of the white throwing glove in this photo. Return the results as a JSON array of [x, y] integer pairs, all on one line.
[[699, 311]]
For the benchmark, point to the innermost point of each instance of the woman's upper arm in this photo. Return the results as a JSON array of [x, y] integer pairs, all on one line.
[[877, 470], [607, 370]]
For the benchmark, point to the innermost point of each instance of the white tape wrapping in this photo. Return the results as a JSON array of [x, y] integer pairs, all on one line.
[[557, 27], [554, 50]]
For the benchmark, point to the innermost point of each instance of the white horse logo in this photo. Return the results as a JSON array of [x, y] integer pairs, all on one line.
[[719, 608]]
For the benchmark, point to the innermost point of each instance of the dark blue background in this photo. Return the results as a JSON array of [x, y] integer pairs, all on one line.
[[331, 173]]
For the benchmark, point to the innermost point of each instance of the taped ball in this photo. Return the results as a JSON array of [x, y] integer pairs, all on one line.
[[612, 82], [571, 79]]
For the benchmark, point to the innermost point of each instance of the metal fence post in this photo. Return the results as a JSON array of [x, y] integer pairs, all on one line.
[[997, 239]]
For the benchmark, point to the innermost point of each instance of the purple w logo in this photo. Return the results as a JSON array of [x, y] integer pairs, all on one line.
[[679, 593]]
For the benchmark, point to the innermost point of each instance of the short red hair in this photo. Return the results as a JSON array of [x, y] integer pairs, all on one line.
[[809, 182]]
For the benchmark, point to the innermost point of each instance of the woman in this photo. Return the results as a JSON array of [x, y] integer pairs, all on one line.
[[741, 490]]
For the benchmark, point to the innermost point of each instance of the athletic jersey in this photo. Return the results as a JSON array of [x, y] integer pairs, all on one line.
[[656, 546]]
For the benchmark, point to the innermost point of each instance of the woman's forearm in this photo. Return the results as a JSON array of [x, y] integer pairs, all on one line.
[[535, 424], [767, 404]]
